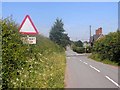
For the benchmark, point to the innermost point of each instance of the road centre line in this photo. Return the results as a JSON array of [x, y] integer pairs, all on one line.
[[105, 76], [112, 81], [91, 66], [85, 63], [94, 68]]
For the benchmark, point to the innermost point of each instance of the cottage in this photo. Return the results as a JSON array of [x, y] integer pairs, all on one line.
[[96, 36]]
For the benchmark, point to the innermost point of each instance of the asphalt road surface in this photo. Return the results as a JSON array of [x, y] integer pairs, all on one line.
[[82, 72]]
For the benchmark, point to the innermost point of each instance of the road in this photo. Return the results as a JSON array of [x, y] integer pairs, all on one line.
[[83, 72]]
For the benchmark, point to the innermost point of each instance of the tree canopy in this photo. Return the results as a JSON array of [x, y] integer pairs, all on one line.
[[78, 43], [108, 47], [58, 35]]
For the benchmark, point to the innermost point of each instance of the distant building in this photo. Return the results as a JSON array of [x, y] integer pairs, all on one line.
[[96, 36]]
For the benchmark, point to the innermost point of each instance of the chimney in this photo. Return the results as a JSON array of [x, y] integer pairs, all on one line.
[[99, 31]]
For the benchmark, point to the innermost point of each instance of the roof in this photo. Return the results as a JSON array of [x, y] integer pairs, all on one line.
[[95, 37]]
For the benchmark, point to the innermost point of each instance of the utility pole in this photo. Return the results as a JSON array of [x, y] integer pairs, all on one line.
[[90, 32], [90, 36]]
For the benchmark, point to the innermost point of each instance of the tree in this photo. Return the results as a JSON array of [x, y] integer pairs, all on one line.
[[108, 47], [79, 43], [57, 34]]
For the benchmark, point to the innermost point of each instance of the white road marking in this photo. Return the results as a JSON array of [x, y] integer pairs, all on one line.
[[85, 63], [94, 68], [81, 60], [112, 81]]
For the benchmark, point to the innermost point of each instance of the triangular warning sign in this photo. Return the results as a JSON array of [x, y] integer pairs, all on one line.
[[27, 26]]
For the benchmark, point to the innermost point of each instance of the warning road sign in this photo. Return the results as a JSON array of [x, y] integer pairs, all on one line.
[[27, 26]]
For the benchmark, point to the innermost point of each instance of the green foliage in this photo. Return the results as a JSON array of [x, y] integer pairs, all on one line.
[[12, 51], [57, 34], [78, 43], [0, 55], [79, 49], [77, 46], [108, 47], [96, 57], [30, 66], [88, 49]]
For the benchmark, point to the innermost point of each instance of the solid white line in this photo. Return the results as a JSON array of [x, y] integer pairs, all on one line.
[[94, 68], [112, 81]]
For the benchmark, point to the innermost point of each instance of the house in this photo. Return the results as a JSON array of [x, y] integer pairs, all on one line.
[[96, 36]]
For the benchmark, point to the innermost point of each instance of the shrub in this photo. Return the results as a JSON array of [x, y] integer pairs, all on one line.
[[88, 49], [30, 66], [79, 49], [12, 51], [108, 47]]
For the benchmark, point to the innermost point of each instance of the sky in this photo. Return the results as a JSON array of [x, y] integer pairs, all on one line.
[[76, 16]]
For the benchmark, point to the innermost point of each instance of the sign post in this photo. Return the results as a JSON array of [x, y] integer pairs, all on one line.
[[28, 28]]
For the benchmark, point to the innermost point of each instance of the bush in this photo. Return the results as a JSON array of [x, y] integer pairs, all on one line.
[[0, 54], [79, 49], [97, 57], [12, 51], [77, 46], [30, 66], [108, 47], [88, 49]]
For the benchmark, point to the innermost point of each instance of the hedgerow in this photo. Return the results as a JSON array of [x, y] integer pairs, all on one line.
[[12, 52], [30, 66], [0, 55], [108, 47], [78, 49]]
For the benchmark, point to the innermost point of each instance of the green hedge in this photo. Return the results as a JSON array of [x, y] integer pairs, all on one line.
[[0, 55], [81, 49], [108, 47], [78, 49], [13, 51], [30, 66]]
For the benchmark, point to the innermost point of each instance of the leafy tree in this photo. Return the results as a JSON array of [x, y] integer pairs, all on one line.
[[57, 34], [108, 47], [78, 43]]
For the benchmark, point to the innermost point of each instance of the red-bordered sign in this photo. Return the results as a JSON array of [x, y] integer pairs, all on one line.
[[27, 26]]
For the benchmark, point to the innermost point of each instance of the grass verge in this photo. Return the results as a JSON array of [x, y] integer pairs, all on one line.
[[96, 57]]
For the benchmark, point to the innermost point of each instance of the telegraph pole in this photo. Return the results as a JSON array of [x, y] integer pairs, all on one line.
[[90, 35], [90, 32]]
